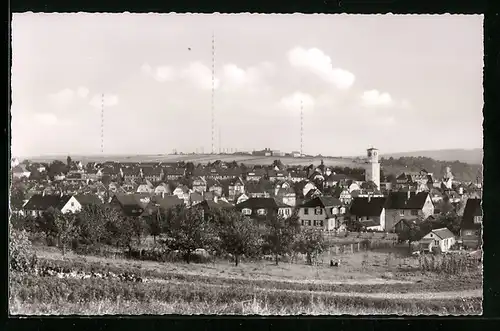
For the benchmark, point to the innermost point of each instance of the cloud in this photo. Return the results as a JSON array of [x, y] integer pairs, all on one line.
[[320, 64], [374, 98], [49, 119], [109, 100], [82, 92], [293, 102], [200, 75], [161, 74], [234, 77], [63, 97]]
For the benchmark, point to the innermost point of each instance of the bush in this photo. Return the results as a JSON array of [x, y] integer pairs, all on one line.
[[21, 255], [449, 263]]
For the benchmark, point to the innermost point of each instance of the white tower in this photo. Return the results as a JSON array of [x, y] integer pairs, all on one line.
[[372, 172]]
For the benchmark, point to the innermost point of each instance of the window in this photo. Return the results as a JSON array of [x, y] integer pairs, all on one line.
[[414, 212], [306, 211], [318, 211], [342, 210], [436, 242], [401, 213], [261, 211], [246, 211], [72, 204], [287, 211], [335, 211], [302, 222], [320, 223]]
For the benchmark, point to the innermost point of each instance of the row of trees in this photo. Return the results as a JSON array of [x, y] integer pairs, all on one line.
[[179, 229]]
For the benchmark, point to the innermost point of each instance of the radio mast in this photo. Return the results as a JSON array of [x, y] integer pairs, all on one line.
[[213, 92]]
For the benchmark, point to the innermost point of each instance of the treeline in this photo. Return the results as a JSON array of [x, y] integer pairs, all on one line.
[[180, 230], [462, 171]]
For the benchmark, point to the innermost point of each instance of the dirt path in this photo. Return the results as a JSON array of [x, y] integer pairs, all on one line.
[[478, 293]]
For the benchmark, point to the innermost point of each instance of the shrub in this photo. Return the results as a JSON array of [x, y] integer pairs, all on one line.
[[21, 255]]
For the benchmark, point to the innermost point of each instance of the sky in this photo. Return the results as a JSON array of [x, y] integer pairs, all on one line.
[[397, 83]]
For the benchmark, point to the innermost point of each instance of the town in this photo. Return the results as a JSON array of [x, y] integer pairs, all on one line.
[[323, 197]]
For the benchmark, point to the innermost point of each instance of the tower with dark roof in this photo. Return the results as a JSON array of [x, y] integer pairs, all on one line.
[[372, 172]]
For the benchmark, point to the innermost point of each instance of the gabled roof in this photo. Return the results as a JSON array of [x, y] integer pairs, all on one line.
[[323, 202], [210, 204], [367, 206], [443, 233], [399, 200], [88, 199], [256, 172], [258, 203], [471, 210], [41, 202]]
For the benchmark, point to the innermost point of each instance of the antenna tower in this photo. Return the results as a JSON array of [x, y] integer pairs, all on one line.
[[301, 127], [102, 123], [213, 92]]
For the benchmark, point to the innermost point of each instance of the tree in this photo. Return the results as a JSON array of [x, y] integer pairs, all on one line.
[[278, 163], [69, 162], [17, 197], [56, 168], [92, 222], [238, 235], [187, 230], [411, 234], [189, 168], [369, 185], [310, 242], [66, 226], [280, 234], [154, 223]]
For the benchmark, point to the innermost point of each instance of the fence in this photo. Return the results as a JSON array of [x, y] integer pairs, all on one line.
[[360, 235]]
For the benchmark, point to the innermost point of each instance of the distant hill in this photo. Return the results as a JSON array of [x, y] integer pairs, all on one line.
[[471, 156]]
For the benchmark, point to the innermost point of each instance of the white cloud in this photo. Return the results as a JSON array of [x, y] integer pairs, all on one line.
[[200, 75], [293, 102], [374, 98], [109, 100], [319, 63], [161, 73], [82, 92], [63, 97], [49, 119], [235, 77]]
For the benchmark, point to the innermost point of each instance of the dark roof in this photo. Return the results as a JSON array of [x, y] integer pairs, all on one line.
[[151, 171], [256, 172], [88, 199], [41, 202], [443, 233], [367, 206], [399, 200], [210, 204], [472, 209], [323, 201], [258, 203], [174, 171]]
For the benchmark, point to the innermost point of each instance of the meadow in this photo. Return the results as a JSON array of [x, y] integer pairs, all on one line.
[[372, 282]]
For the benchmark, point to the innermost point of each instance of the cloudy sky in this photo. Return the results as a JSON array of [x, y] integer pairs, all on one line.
[[399, 83]]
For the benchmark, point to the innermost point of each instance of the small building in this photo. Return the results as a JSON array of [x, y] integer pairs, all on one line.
[[296, 154], [442, 239], [321, 212], [20, 171], [408, 205], [471, 225], [369, 213], [236, 188], [261, 208]]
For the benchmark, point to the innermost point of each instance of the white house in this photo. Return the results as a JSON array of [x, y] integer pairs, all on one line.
[[442, 238], [324, 213]]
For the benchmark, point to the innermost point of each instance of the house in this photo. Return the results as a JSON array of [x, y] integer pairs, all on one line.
[[369, 212], [236, 188], [132, 205], [162, 189], [336, 179], [471, 225], [161, 204], [213, 185], [20, 171], [209, 206], [286, 195], [199, 184], [403, 225], [261, 208], [153, 174], [88, 199], [297, 176], [307, 187], [242, 197], [182, 192], [255, 175], [407, 205], [195, 198], [321, 212], [313, 193], [39, 203], [257, 190], [145, 187], [345, 197], [130, 174], [173, 173], [275, 175], [296, 154], [441, 239]]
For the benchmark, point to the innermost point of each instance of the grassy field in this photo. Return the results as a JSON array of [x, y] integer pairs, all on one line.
[[365, 283], [246, 159]]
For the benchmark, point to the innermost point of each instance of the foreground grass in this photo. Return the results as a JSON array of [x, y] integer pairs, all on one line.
[[464, 282], [47, 295]]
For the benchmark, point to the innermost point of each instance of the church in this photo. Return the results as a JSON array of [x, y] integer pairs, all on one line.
[[372, 173]]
